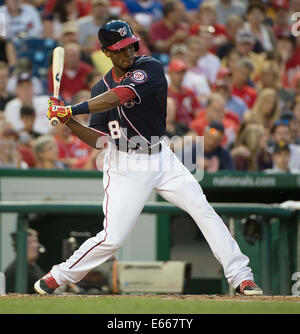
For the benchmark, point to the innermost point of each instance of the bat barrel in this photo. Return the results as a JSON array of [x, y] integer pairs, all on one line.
[[57, 70]]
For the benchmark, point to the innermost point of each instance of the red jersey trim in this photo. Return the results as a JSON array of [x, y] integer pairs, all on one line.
[[101, 132], [115, 78], [124, 93], [128, 121], [135, 92]]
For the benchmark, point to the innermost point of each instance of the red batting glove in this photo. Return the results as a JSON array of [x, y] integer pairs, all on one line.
[[55, 101], [62, 113]]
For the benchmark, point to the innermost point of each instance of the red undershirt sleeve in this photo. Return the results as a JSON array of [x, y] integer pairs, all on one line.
[[124, 93]]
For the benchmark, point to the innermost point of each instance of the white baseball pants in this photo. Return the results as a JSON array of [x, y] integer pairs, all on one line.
[[129, 179]]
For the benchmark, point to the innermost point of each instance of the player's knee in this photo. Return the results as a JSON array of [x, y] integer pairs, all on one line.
[[114, 243], [116, 246]]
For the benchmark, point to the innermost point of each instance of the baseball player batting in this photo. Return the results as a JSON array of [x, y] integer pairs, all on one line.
[[128, 107]]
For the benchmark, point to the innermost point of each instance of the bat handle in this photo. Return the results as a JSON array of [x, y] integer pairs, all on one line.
[[54, 121]]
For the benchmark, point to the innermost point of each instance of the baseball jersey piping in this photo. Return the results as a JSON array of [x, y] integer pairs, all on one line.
[[103, 133], [123, 134], [106, 212], [106, 84], [128, 121], [108, 88]]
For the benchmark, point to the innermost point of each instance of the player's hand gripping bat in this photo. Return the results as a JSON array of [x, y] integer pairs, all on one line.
[[57, 70]]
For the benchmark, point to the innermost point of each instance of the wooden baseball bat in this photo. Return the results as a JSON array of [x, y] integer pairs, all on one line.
[[57, 71]]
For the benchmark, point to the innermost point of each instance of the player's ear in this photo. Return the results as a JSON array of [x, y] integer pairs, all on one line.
[[106, 52]]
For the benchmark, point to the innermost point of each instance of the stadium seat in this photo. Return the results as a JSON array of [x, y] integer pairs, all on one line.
[[162, 57], [39, 52]]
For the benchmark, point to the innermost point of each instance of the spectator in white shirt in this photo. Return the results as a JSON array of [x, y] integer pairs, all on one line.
[[22, 20], [255, 22], [88, 25], [25, 96], [226, 8], [24, 65], [208, 64], [192, 79]]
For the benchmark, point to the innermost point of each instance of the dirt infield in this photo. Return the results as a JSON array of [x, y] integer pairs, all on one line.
[[169, 297]]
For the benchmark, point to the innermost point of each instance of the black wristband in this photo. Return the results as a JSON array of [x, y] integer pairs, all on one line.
[[80, 108]]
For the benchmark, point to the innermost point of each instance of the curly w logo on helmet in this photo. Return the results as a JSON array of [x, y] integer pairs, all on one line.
[[122, 31]]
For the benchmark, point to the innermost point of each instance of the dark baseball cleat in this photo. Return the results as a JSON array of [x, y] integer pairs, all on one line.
[[249, 288], [46, 285]]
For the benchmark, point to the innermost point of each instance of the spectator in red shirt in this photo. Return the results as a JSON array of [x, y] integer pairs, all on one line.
[[118, 7], [215, 111], [68, 9], [185, 99], [71, 150], [170, 29], [234, 104], [74, 74], [88, 159], [240, 78], [281, 22], [289, 58]]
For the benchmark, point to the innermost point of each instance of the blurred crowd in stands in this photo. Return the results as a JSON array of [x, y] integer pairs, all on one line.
[[233, 68]]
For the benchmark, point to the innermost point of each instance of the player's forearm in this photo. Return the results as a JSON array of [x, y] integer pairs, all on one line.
[[97, 104], [103, 102], [84, 133]]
